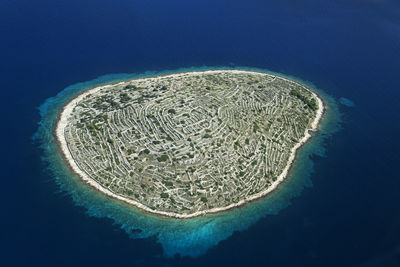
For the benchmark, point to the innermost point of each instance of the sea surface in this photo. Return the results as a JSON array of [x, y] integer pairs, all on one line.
[[340, 205]]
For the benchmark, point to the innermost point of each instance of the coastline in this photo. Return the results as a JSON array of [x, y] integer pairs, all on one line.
[[67, 156]]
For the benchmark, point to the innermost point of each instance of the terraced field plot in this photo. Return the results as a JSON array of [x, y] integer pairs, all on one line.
[[189, 142]]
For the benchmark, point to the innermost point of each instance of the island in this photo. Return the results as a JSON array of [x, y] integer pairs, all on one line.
[[188, 144]]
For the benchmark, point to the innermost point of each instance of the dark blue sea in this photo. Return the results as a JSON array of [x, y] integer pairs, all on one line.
[[341, 203]]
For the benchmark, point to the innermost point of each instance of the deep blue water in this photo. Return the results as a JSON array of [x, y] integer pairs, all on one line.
[[341, 210]]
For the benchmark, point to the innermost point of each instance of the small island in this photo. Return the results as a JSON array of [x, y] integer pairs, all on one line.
[[187, 144]]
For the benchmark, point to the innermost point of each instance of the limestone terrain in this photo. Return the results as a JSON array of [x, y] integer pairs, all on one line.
[[189, 142]]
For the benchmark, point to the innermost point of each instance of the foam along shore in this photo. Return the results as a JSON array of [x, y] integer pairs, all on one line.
[[68, 108]]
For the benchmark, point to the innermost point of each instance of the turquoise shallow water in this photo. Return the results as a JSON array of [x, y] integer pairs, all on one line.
[[190, 237], [346, 102]]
